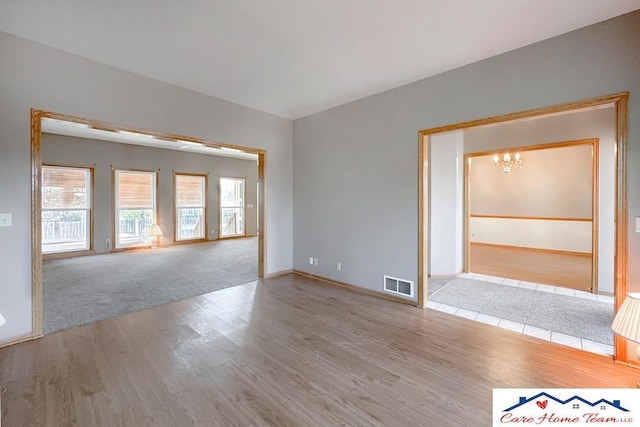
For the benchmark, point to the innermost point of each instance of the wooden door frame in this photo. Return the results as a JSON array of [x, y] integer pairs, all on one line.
[[36, 198], [594, 143], [621, 102]]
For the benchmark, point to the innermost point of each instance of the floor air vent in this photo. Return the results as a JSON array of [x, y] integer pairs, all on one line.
[[398, 286]]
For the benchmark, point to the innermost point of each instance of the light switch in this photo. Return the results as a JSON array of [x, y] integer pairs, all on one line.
[[250, 206], [638, 224], [5, 220]]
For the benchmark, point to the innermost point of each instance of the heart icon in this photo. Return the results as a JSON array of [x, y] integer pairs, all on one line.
[[542, 403]]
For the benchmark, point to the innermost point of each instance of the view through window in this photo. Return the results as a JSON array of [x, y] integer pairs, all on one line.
[[66, 209], [135, 207], [190, 192], [231, 207]]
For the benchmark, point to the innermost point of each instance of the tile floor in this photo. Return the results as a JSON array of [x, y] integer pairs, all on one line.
[[556, 337]]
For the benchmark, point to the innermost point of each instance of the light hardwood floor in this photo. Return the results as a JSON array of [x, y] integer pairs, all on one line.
[[286, 351], [566, 270]]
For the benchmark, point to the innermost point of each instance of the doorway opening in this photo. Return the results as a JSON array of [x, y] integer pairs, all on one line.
[[438, 244], [532, 214], [122, 207]]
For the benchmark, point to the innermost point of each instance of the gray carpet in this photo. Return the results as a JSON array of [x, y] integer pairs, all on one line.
[[437, 283], [85, 289], [559, 313]]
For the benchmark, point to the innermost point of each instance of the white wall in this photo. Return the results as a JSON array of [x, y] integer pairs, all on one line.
[[446, 204], [356, 166], [571, 236], [35, 76]]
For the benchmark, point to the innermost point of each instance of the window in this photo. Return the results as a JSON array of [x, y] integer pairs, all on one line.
[[135, 204], [190, 193], [231, 207], [66, 209]]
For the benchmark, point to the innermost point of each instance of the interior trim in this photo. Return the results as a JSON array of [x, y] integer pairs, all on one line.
[[541, 218], [36, 117], [278, 274], [525, 248], [621, 101], [16, 340], [357, 289], [595, 203]]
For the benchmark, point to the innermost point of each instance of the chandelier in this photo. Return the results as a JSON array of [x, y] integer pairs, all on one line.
[[506, 163]]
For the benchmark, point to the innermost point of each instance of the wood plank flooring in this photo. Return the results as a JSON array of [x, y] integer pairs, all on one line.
[[287, 351], [569, 271]]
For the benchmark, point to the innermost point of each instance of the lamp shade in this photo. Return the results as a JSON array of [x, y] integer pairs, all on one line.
[[2, 321], [627, 321], [154, 231]]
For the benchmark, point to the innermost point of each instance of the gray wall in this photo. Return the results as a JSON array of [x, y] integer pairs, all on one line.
[[70, 151], [36, 76], [356, 166]]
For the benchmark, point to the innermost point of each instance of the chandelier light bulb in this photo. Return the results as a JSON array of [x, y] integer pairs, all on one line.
[[507, 163]]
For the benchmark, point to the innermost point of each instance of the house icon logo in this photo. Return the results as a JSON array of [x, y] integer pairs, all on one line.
[[561, 407], [542, 401]]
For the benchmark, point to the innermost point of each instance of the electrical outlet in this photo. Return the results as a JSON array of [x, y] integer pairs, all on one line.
[[213, 231], [5, 220], [108, 244], [310, 260], [315, 261], [339, 266]]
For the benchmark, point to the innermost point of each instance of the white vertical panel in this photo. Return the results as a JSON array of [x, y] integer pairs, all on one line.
[[446, 203]]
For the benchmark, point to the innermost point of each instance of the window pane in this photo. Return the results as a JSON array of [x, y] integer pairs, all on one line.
[[231, 192], [190, 223], [133, 226], [190, 207], [232, 222], [190, 191], [135, 189], [135, 207], [65, 187], [64, 230]]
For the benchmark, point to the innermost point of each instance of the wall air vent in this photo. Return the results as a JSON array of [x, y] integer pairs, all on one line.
[[398, 286]]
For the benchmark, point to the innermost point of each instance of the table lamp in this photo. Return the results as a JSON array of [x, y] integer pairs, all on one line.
[[155, 233], [627, 321]]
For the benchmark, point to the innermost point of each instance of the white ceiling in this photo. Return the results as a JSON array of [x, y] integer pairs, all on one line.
[[61, 127], [293, 58]]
